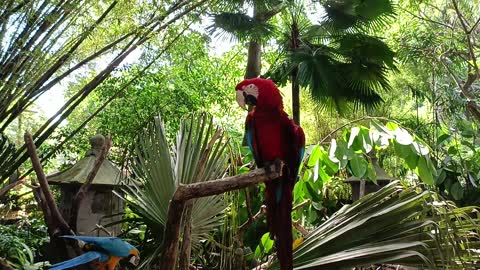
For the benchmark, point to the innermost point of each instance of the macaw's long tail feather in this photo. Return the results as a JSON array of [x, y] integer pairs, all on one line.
[[279, 219], [88, 239], [82, 259]]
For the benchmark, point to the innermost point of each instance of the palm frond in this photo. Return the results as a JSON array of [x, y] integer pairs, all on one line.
[[7, 153], [396, 225], [366, 49], [239, 26], [362, 15], [200, 154]]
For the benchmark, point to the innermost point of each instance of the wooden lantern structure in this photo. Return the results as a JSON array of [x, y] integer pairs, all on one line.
[[100, 205], [362, 187]]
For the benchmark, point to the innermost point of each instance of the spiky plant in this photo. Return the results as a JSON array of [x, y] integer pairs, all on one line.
[[396, 225], [199, 154]]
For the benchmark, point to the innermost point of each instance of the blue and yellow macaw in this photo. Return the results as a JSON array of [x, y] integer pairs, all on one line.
[[105, 251]]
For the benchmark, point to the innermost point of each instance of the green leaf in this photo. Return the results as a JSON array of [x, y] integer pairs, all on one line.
[[314, 155], [371, 173], [424, 171], [358, 165], [442, 138], [298, 191], [403, 151], [343, 154], [420, 148], [412, 161], [456, 190], [314, 193], [265, 246], [441, 177], [392, 126]]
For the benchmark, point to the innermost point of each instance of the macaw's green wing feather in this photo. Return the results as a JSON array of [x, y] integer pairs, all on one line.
[[112, 245], [82, 259]]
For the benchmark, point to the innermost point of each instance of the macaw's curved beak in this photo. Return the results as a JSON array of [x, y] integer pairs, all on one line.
[[134, 260], [241, 99]]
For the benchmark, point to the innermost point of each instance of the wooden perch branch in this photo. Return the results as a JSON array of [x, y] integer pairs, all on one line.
[[44, 187], [43, 195], [88, 182], [215, 187], [300, 228], [204, 189], [4, 265]]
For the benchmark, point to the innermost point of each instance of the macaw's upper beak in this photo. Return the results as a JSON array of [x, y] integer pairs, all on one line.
[[134, 260], [241, 99]]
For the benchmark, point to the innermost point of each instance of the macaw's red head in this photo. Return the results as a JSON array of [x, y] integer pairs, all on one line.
[[258, 92]]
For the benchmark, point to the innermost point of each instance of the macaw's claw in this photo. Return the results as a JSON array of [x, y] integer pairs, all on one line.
[[277, 164]]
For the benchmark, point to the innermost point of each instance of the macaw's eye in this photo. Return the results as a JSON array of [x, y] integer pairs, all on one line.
[[252, 90]]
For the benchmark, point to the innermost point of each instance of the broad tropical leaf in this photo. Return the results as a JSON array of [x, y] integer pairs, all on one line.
[[396, 225]]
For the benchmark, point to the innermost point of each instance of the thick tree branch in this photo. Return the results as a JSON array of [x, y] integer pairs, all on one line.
[[241, 230], [44, 187], [7, 187], [466, 30], [4, 265], [204, 189]]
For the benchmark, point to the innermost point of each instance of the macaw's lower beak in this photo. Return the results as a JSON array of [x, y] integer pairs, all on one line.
[[134, 260], [241, 99]]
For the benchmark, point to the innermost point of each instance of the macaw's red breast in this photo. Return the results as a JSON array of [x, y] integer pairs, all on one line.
[[271, 138]]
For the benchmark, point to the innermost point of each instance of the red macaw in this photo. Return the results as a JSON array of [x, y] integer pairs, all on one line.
[[272, 135], [106, 252]]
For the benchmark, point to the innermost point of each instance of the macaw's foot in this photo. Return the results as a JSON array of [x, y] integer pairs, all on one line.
[[272, 166]]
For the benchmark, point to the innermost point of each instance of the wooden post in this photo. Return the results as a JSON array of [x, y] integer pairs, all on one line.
[[204, 189]]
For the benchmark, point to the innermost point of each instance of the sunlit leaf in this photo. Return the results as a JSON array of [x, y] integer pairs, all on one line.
[[424, 171], [358, 165]]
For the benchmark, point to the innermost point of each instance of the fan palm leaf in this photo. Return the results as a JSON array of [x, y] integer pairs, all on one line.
[[395, 225], [337, 61], [200, 154], [362, 15], [240, 26]]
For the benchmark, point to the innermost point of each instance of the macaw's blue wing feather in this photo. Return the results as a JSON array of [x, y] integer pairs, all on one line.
[[301, 154], [251, 140], [82, 259], [113, 245]]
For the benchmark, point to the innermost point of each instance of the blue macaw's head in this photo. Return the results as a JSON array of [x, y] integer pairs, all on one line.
[[134, 257]]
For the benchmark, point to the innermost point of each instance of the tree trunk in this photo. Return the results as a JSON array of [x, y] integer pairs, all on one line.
[[186, 248], [294, 45], [254, 61], [295, 96]]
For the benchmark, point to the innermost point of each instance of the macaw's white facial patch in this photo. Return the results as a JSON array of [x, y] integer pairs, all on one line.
[[251, 89]]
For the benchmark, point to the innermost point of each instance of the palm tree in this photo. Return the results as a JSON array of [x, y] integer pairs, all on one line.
[[338, 61], [200, 154], [255, 29]]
